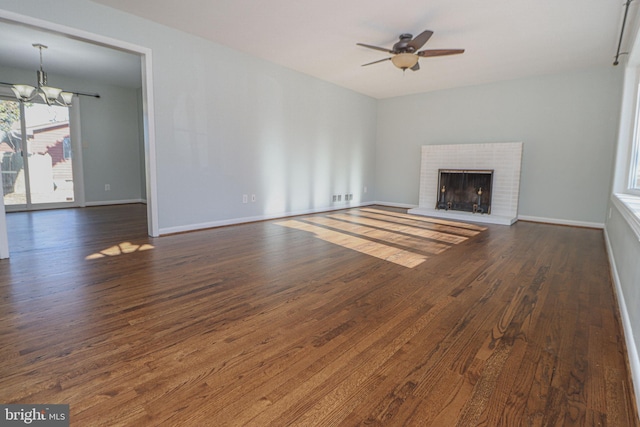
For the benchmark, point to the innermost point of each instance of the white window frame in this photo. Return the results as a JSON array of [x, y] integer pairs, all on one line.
[[625, 197], [634, 152], [76, 148]]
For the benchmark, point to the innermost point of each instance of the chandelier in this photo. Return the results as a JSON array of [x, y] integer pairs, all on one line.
[[50, 95]]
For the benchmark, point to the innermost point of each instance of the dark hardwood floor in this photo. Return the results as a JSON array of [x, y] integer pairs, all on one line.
[[357, 317]]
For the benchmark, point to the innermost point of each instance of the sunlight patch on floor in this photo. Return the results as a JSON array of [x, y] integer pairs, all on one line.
[[362, 245], [421, 234], [119, 249], [395, 237], [379, 234]]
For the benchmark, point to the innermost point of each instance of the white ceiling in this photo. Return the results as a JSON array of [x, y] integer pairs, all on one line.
[[504, 39], [66, 56]]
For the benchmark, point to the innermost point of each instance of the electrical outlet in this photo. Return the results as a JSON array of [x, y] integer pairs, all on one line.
[[335, 198], [107, 187], [339, 197], [253, 198], [365, 188], [245, 198]]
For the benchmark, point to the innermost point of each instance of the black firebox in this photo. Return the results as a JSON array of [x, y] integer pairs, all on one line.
[[465, 190]]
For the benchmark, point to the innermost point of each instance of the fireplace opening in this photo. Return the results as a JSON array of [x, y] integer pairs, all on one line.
[[465, 190]]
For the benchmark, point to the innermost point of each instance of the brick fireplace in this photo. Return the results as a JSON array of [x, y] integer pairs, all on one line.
[[502, 159]]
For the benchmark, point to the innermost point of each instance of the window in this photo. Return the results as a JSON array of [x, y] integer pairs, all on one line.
[[626, 188], [66, 148], [634, 176], [35, 155]]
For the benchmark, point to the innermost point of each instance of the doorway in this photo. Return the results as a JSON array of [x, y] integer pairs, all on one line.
[[147, 121]]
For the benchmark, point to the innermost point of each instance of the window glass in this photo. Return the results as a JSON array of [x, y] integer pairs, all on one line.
[[635, 174], [634, 178], [35, 161]]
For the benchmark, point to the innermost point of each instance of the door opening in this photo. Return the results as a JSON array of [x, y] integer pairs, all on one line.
[[36, 155]]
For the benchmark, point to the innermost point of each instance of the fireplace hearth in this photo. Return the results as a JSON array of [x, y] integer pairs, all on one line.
[[464, 190]]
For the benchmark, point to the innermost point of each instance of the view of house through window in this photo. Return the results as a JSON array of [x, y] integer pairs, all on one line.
[[44, 175]]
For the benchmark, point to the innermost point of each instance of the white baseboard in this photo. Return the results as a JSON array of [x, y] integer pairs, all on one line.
[[115, 202], [395, 205], [464, 216], [234, 221], [632, 350], [522, 217], [561, 221]]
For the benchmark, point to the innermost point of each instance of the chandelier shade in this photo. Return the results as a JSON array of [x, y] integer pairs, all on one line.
[[67, 97], [49, 94], [23, 92]]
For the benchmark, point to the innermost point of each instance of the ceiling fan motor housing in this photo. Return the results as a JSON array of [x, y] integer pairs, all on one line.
[[403, 45]]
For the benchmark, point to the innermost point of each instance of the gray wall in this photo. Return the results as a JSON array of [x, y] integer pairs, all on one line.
[[228, 124], [111, 143], [622, 223], [625, 251], [247, 126], [567, 122]]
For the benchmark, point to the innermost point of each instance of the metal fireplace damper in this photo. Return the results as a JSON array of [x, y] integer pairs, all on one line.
[[465, 190]]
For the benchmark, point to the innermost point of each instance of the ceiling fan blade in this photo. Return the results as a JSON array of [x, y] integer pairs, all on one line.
[[419, 40], [416, 67], [439, 52], [375, 62], [383, 49]]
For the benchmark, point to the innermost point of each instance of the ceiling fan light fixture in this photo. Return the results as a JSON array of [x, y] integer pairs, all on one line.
[[405, 60], [406, 51]]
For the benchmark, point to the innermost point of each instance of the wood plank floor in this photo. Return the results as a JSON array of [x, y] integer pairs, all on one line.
[[358, 317]]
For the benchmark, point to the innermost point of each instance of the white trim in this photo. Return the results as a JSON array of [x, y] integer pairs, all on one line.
[[627, 130], [632, 350], [629, 207], [72, 32], [77, 165], [149, 127], [395, 205], [4, 238], [116, 202], [465, 216], [561, 221], [234, 221], [633, 148], [41, 207], [147, 98]]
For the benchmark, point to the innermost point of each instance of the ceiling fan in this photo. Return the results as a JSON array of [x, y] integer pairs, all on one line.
[[405, 51]]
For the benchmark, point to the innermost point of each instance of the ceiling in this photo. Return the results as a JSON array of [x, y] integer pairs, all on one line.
[[66, 56], [503, 39]]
